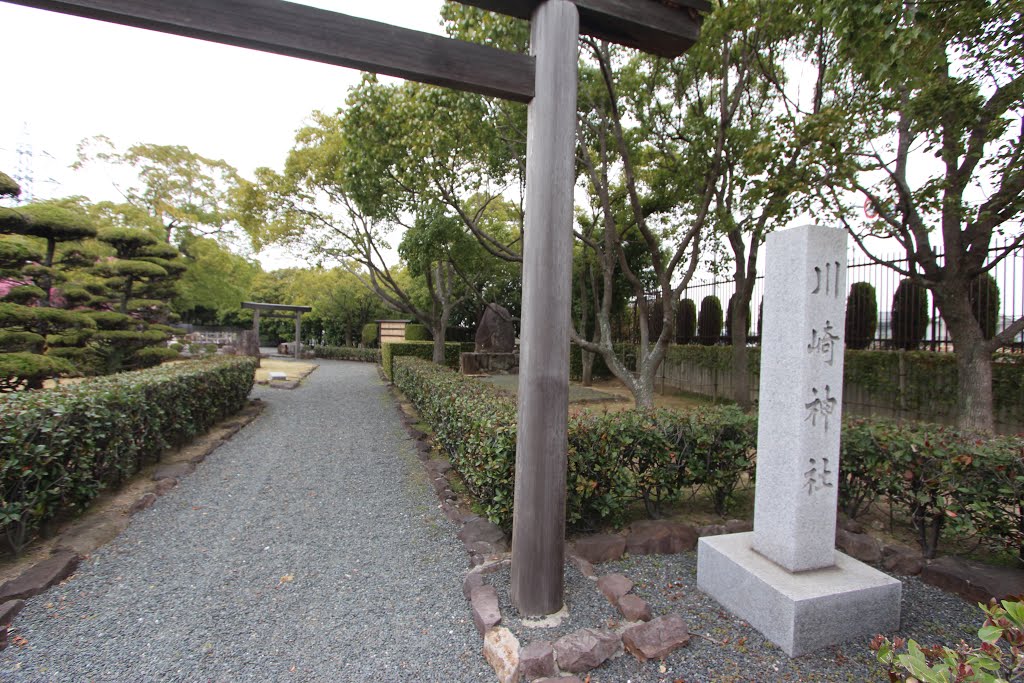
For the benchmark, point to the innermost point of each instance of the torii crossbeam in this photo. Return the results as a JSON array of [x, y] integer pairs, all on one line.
[[547, 80]]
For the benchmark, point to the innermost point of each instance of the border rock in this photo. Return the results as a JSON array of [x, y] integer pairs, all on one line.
[[656, 638], [586, 649], [38, 578]]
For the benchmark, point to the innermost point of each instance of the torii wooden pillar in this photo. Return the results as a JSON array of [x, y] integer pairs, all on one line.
[[547, 81]]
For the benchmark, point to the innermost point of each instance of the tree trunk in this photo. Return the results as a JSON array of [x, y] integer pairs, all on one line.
[[643, 392], [740, 376], [439, 330], [588, 368], [974, 404]]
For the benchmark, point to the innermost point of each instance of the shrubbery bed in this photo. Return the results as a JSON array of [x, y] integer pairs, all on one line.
[[347, 353], [936, 477], [62, 446]]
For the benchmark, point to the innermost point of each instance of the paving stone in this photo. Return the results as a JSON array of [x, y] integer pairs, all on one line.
[[9, 610], [859, 546], [600, 548], [902, 560], [562, 679], [974, 581], [583, 566], [614, 586], [537, 660], [90, 533], [634, 608], [660, 537], [483, 601], [656, 638], [501, 650], [738, 526], [480, 529], [39, 577], [164, 485], [174, 470], [585, 649]]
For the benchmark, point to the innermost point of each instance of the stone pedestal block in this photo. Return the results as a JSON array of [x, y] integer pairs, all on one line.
[[798, 611]]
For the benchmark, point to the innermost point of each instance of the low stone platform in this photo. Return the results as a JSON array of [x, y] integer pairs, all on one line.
[[800, 612]]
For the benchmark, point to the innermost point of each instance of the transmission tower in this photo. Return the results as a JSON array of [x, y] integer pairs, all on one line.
[[23, 173]]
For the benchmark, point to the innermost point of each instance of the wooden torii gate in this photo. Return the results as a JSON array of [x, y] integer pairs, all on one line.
[[278, 311], [547, 80]]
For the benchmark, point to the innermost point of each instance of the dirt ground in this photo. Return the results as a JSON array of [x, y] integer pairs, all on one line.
[[294, 369]]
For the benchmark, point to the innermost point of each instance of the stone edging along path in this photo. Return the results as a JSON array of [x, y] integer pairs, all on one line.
[[642, 634], [110, 515]]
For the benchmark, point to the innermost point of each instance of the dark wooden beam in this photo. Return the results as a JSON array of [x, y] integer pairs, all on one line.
[[271, 308], [663, 27], [322, 36]]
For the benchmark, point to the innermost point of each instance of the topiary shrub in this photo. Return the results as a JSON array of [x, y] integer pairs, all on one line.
[[709, 321], [686, 321], [728, 318], [984, 296], [369, 335], [861, 316], [415, 332], [909, 315]]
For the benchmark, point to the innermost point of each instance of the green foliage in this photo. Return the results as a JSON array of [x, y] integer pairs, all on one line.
[[709, 321], [861, 315], [25, 295], [415, 332], [53, 221], [8, 187], [425, 350], [23, 370], [63, 446], [984, 297], [154, 355], [16, 252], [686, 321], [348, 353], [110, 320], [909, 315], [21, 341], [369, 334], [615, 459], [87, 362], [999, 658]]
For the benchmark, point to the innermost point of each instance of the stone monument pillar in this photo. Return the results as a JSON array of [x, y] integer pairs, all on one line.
[[786, 578]]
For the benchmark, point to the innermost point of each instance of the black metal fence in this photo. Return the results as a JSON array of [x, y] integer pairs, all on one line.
[[1008, 275]]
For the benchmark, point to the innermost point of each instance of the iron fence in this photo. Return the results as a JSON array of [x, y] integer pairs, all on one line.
[[1008, 275]]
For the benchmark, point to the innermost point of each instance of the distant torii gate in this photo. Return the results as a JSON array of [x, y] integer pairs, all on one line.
[[278, 311], [547, 80]]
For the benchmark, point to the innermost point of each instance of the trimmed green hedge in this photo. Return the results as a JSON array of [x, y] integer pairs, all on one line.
[[424, 350], [615, 459], [347, 353], [940, 479], [416, 332], [63, 446]]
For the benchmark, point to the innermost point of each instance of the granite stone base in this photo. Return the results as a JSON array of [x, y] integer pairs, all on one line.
[[800, 612]]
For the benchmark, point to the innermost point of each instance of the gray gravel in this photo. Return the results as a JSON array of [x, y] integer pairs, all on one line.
[[308, 548], [725, 649]]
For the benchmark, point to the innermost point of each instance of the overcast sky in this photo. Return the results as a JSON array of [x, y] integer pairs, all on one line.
[[68, 78]]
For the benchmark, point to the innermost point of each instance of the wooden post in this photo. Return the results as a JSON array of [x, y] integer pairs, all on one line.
[[256, 325], [298, 335], [538, 532]]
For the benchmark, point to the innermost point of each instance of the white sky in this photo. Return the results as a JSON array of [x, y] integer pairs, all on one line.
[[68, 78]]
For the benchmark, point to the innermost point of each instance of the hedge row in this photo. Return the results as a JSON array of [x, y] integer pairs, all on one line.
[[62, 446], [615, 459], [413, 349], [347, 353], [940, 479]]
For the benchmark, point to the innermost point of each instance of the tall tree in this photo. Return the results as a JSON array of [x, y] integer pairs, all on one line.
[[185, 192], [929, 133]]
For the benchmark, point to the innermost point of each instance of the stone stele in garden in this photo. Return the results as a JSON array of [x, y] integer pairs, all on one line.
[[496, 332], [786, 579]]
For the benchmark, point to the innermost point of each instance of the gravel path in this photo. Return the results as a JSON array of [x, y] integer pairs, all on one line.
[[308, 548]]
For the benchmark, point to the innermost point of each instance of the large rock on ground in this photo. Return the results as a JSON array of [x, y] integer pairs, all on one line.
[[496, 332], [660, 537], [974, 581], [902, 560], [39, 577], [634, 608], [614, 586], [501, 650], [480, 529], [484, 602], [859, 546], [656, 638], [585, 649], [600, 548], [10, 609], [537, 660]]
